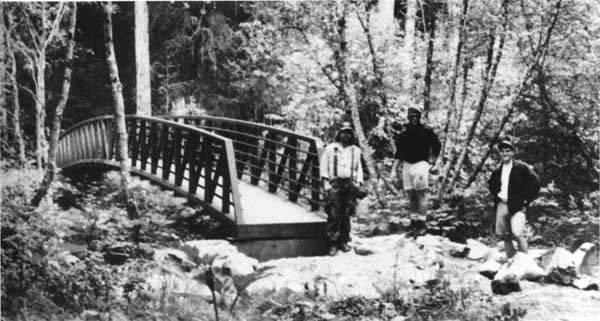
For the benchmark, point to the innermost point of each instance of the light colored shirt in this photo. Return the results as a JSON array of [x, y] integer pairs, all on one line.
[[504, 176], [348, 162]]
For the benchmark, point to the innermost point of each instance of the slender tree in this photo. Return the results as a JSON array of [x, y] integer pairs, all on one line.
[[33, 48], [142, 60], [451, 108], [492, 62], [408, 47], [51, 167], [430, 24], [539, 53], [6, 28], [122, 155]]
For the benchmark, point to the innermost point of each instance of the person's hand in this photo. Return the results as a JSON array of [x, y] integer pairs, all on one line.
[[393, 176], [326, 185]]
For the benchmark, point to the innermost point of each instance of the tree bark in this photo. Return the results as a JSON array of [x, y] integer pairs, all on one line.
[[16, 115], [142, 60], [408, 46], [457, 61], [40, 100], [348, 94], [51, 167], [539, 54], [122, 155], [429, 61], [488, 81]]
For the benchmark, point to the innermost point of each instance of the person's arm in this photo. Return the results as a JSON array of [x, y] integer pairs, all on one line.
[[324, 168], [436, 147], [359, 169], [533, 185]]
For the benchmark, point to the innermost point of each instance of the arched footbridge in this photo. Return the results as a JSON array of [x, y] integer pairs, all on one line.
[[261, 181]]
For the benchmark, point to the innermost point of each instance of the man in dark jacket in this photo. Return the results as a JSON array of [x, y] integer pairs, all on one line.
[[417, 147], [514, 185]]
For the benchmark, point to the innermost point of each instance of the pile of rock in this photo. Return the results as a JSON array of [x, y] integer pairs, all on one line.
[[579, 268]]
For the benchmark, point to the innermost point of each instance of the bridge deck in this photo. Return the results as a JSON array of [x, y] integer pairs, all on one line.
[[265, 215]]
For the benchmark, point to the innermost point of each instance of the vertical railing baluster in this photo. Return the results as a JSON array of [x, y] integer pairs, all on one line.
[[154, 147], [166, 151], [315, 178], [132, 136], [293, 168]]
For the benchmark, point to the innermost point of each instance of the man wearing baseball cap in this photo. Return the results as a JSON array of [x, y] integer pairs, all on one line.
[[417, 147], [514, 185]]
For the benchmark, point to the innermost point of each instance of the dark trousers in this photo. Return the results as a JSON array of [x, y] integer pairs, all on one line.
[[340, 204]]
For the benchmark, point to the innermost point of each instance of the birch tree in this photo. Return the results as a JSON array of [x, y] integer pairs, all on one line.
[[142, 60], [122, 153], [51, 167], [9, 71], [41, 23]]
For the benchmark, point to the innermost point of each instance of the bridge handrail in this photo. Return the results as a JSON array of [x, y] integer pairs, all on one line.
[[153, 141], [271, 150]]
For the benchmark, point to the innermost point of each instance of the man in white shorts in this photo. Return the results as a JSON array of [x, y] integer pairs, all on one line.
[[417, 147], [514, 185]]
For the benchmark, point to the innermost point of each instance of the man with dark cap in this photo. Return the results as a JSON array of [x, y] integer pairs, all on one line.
[[417, 147], [514, 185], [342, 173]]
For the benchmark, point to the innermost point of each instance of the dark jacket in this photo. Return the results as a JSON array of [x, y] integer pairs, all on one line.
[[417, 143], [523, 186]]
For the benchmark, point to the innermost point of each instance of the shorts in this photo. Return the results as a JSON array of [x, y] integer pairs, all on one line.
[[506, 224], [415, 176]]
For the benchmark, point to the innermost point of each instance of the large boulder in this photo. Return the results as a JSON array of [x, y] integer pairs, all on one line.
[[560, 266], [520, 267], [587, 258], [222, 256], [477, 250]]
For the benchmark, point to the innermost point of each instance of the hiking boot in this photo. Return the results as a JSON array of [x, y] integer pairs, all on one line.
[[333, 251], [345, 247]]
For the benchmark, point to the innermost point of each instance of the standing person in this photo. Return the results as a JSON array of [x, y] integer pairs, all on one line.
[[417, 147], [342, 174], [514, 185]]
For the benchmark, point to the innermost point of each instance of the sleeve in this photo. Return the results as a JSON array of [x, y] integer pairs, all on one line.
[[534, 185], [359, 169], [324, 163], [399, 146], [436, 146]]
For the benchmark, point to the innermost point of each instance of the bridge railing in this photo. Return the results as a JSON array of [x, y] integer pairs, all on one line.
[[277, 158], [194, 161]]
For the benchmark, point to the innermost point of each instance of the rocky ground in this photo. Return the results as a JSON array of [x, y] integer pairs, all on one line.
[[379, 266]]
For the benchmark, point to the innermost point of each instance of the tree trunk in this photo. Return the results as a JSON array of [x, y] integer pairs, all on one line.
[[122, 155], [348, 94], [539, 54], [489, 77], [51, 167], [142, 60], [18, 135], [409, 43], [457, 61], [429, 59], [40, 110]]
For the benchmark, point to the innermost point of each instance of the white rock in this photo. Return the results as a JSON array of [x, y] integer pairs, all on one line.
[[477, 250], [560, 259], [522, 266], [586, 283], [489, 268], [172, 283], [586, 257]]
